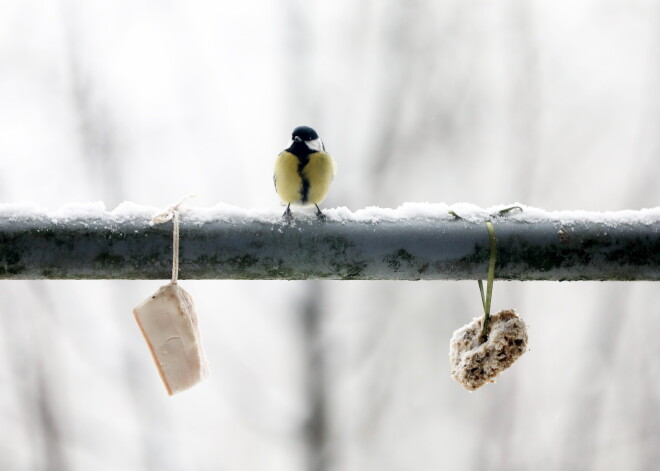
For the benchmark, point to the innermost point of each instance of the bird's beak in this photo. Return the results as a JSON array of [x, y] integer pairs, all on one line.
[[297, 139]]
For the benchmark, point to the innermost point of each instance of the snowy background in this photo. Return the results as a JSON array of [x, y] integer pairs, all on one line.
[[553, 104]]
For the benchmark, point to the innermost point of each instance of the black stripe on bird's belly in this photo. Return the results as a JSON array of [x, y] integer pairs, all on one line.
[[304, 186], [302, 152]]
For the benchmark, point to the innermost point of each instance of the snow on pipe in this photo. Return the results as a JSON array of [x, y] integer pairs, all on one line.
[[396, 244]]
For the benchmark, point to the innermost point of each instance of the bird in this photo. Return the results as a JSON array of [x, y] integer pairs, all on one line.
[[303, 171]]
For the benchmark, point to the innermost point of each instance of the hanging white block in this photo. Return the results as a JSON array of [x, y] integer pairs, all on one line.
[[169, 324]]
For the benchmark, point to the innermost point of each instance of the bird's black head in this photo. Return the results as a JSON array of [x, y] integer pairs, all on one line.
[[305, 141], [304, 133]]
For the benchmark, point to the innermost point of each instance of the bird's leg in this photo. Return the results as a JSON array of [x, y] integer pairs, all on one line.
[[319, 214], [288, 217]]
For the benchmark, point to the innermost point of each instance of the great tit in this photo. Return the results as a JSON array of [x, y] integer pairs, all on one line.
[[303, 171]]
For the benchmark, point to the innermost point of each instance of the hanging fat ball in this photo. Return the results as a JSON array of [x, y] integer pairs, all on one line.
[[303, 171], [473, 362]]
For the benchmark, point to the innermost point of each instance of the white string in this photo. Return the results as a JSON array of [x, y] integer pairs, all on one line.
[[172, 214]]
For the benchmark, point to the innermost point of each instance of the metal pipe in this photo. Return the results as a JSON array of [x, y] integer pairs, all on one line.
[[37, 247]]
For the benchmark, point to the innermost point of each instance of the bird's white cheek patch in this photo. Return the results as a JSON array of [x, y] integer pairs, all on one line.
[[316, 145]]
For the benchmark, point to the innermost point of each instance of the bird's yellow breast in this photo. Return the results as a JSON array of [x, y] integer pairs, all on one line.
[[288, 183], [319, 172], [307, 184]]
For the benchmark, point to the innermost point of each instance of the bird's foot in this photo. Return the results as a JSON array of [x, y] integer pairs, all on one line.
[[319, 214], [287, 216]]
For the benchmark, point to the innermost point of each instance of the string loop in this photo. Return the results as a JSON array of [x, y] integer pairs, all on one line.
[[172, 214]]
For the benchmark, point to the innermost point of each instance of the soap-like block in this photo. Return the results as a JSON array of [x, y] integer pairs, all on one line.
[[168, 322]]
